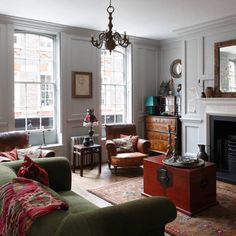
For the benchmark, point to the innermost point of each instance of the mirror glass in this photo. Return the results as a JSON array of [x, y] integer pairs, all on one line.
[[225, 68], [176, 68]]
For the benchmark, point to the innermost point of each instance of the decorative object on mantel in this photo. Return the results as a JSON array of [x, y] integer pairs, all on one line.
[[108, 38], [209, 92], [90, 121]]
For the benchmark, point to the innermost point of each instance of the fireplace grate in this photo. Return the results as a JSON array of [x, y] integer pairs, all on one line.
[[232, 153]]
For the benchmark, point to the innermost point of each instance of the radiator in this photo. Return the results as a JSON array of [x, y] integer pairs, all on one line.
[[79, 140]]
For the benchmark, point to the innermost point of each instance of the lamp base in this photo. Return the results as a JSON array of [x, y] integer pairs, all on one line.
[[152, 111], [86, 141]]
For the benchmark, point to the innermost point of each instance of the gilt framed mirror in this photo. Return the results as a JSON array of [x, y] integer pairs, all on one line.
[[225, 68]]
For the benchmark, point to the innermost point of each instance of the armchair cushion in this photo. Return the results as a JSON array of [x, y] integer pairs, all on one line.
[[134, 140], [128, 159], [123, 144]]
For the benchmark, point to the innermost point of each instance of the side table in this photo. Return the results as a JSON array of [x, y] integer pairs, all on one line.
[[82, 151]]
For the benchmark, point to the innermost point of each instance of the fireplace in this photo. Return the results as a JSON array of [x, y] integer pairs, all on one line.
[[223, 146]]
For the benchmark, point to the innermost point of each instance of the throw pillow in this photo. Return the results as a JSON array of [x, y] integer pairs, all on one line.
[[123, 144], [134, 140], [12, 155], [31, 152], [32, 170]]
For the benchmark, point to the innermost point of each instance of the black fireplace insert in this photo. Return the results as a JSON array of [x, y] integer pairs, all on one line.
[[223, 146]]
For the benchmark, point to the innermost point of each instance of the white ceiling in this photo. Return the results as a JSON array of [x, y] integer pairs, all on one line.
[[154, 19]]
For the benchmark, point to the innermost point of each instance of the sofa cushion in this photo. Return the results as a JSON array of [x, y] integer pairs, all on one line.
[[12, 155], [7, 174], [123, 144], [32, 152], [23, 200], [32, 170], [49, 225]]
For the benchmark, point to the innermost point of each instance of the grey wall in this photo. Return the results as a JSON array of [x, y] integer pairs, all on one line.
[[197, 54]]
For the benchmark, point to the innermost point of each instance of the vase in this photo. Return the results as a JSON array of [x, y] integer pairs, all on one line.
[[201, 153], [86, 141], [209, 92]]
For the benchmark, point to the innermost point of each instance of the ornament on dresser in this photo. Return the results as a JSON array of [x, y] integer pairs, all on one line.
[[164, 88]]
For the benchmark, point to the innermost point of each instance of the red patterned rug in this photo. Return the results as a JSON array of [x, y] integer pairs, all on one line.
[[219, 220]]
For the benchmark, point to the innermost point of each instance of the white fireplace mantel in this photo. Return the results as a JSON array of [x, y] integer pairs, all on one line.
[[218, 106], [218, 101], [195, 127]]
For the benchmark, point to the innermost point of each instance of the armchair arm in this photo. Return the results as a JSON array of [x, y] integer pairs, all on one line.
[[143, 145], [58, 169], [111, 148], [47, 153], [141, 217]]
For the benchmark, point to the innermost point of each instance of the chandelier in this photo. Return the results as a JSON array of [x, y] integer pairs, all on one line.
[[108, 38]]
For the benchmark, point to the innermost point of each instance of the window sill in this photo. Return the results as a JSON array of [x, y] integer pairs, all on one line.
[[52, 145]]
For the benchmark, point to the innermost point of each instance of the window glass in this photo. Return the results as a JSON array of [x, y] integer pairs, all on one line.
[[116, 87], [35, 84]]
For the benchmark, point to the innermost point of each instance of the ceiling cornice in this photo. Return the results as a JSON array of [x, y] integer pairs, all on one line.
[[19, 22], [229, 20]]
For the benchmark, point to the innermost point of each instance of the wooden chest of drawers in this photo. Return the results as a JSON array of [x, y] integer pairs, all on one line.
[[191, 189], [157, 132]]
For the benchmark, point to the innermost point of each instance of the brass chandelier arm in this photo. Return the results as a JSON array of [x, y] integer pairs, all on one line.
[[98, 42], [124, 42]]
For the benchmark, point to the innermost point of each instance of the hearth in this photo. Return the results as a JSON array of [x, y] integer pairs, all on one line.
[[223, 146]]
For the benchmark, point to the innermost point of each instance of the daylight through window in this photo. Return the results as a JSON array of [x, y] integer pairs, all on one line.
[[115, 86], [35, 83]]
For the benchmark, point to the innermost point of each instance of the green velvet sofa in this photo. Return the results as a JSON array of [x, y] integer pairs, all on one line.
[[140, 217]]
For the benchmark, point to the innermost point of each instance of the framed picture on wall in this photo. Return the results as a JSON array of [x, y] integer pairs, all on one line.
[[81, 84]]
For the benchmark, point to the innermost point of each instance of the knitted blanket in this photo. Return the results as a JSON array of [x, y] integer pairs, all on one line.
[[22, 201]]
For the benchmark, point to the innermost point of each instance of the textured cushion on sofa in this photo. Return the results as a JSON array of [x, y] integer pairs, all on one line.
[[32, 152]]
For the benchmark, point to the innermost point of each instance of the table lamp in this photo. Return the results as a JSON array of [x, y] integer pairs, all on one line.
[[90, 121], [152, 104]]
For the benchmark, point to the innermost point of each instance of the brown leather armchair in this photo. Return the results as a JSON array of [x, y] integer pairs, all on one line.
[[18, 139], [124, 159]]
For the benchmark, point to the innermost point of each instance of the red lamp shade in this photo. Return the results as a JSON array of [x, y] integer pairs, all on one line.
[[90, 119]]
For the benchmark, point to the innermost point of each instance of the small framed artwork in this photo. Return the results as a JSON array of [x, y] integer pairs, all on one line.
[[81, 84]]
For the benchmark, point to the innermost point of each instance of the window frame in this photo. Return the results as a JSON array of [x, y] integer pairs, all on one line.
[[127, 88], [35, 135]]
